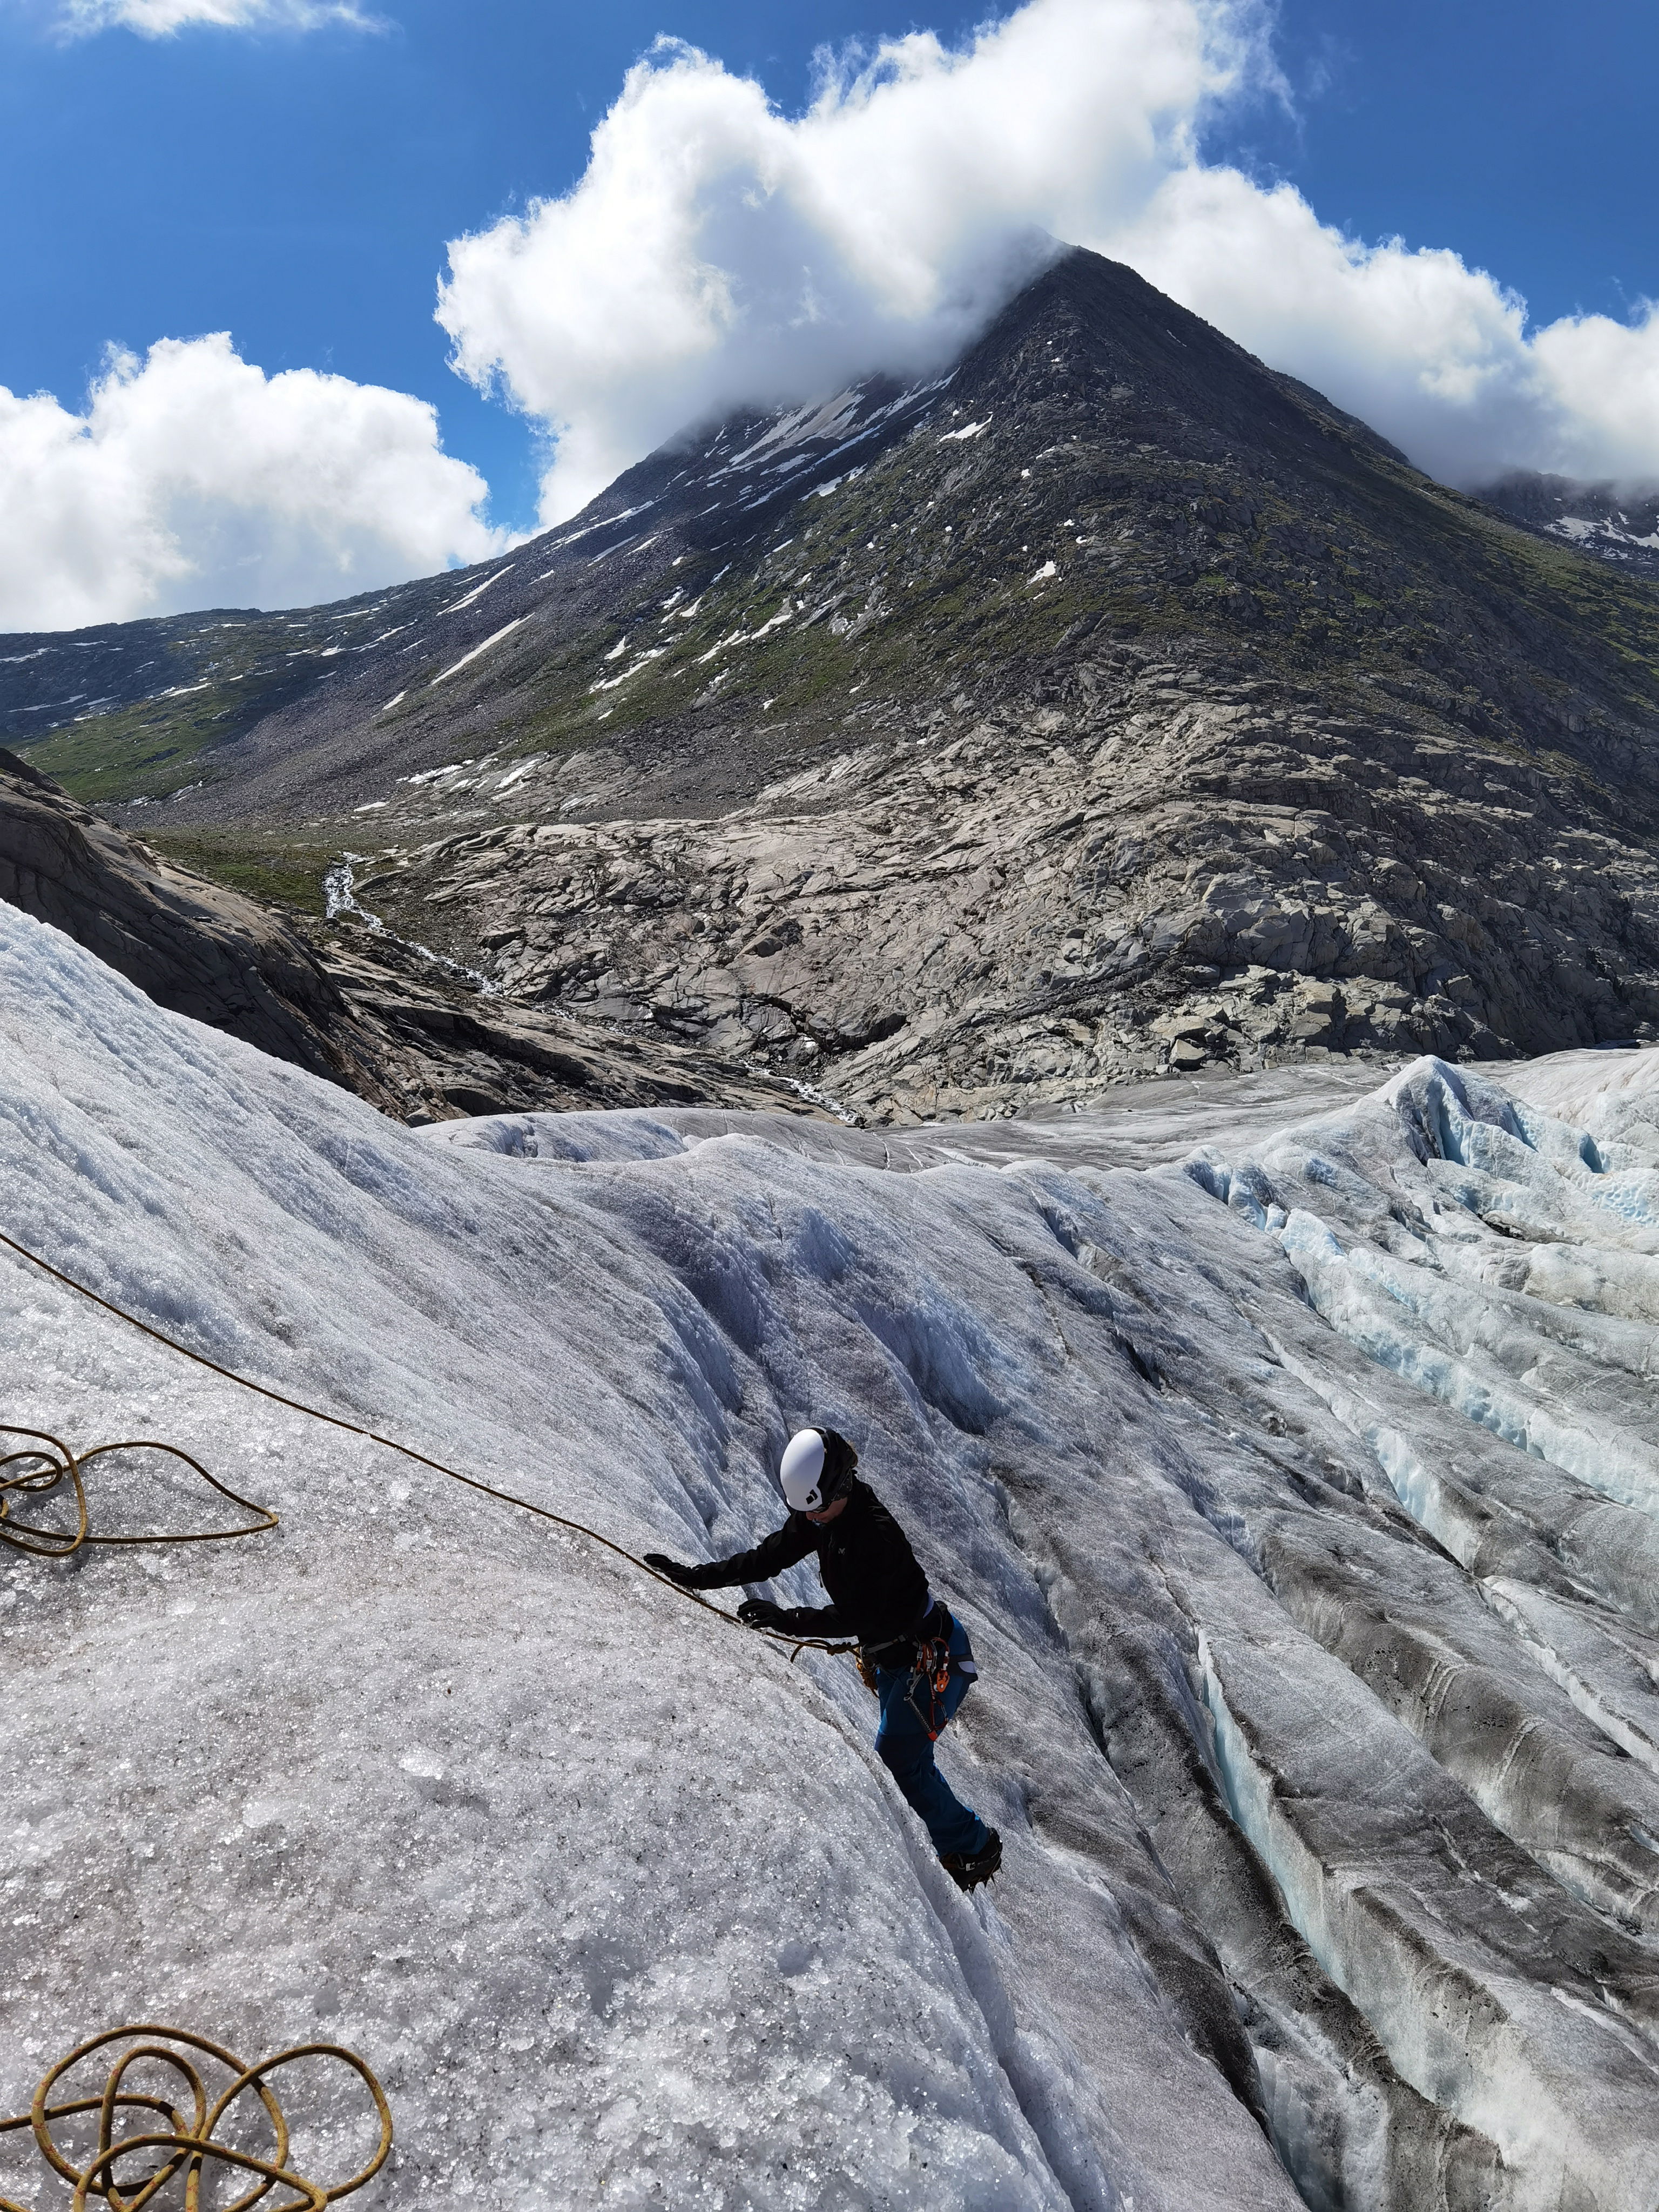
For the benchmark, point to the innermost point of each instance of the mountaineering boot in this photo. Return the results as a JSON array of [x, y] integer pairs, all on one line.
[[969, 1869]]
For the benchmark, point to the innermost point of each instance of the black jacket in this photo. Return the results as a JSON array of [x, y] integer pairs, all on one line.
[[877, 1592]]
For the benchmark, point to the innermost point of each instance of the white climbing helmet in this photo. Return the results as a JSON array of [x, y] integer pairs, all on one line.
[[802, 1472]]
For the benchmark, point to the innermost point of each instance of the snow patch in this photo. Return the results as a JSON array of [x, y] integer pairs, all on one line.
[[456, 666]]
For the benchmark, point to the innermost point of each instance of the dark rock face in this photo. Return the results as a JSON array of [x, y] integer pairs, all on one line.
[[410, 1041], [449, 1051], [191, 945]]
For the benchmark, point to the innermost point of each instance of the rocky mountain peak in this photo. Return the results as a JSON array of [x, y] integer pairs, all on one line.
[[1107, 704]]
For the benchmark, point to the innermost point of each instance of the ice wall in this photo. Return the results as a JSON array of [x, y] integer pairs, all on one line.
[[1472, 1258], [1316, 1704]]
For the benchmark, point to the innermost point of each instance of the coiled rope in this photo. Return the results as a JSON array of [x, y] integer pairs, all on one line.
[[798, 1644], [47, 1463], [185, 2144]]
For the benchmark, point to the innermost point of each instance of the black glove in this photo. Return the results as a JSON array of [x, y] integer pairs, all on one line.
[[761, 1612], [785, 1620], [676, 1570]]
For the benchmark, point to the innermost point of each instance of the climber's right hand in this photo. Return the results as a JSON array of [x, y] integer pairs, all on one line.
[[675, 1570]]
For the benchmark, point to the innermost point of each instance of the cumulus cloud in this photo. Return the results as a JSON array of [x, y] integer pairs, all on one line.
[[716, 252], [193, 479], [158, 19], [1432, 353]]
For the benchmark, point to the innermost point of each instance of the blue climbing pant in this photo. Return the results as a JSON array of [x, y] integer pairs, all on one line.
[[912, 1714]]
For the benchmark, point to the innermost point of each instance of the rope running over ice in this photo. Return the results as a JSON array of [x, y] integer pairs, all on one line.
[[185, 2144], [353, 1429]]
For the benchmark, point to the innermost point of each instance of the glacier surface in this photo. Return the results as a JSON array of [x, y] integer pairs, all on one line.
[[1289, 1448]]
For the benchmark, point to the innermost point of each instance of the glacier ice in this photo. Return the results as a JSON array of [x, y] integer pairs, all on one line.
[[1301, 1500]]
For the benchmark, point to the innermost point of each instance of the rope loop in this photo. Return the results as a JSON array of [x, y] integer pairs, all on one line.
[[45, 1464], [35, 1470], [180, 2142]]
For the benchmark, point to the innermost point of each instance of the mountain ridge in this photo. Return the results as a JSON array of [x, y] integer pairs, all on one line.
[[1615, 524], [1268, 417], [1107, 705]]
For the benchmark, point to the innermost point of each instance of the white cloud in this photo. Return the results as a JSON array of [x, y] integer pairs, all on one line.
[[1432, 353], [716, 252], [193, 479], [158, 19]]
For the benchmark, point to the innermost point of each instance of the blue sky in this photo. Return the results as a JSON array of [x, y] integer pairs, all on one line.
[[1519, 133], [298, 189]]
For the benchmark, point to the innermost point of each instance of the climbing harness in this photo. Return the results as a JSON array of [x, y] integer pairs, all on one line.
[[179, 2142], [798, 1644], [47, 1463], [930, 1668], [931, 1664], [930, 1672]]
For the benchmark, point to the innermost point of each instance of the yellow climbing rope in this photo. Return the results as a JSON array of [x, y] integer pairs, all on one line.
[[45, 1464], [184, 2143], [798, 1644]]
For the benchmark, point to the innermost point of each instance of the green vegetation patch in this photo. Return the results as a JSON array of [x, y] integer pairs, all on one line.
[[271, 869], [160, 744], [145, 751]]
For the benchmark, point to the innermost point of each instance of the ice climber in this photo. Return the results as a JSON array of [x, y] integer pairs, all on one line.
[[912, 1651]]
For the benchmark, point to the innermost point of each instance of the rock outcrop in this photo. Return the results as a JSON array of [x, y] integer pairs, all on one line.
[[1149, 874], [193, 946], [369, 1015], [447, 1050]]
